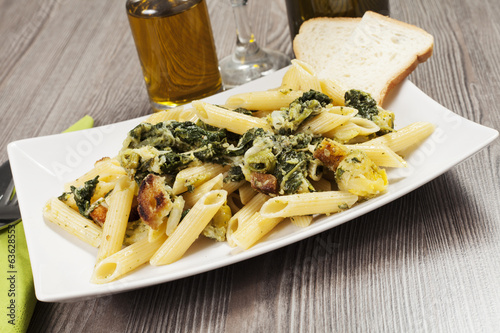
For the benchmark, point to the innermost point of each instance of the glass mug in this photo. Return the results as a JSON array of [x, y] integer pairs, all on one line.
[[299, 11], [176, 50]]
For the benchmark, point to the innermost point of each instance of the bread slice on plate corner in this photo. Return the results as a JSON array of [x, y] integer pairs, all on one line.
[[373, 53]]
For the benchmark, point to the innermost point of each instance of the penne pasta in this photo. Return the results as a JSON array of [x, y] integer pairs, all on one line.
[[70, 220], [231, 186], [308, 204], [301, 221], [328, 120], [269, 100], [213, 184], [175, 215], [155, 234], [117, 218], [105, 166], [334, 90], [233, 201], [194, 176], [243, 215], [300, 76], [353, 128], [405, 138], [189, 230], [322, 185], [380, 154], [315, 170], [252, 206], [257, 227], [179, 113], [232, 121], [246, 193], [125, 260]]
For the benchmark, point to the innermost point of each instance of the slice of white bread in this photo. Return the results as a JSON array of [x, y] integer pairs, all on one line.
[[319, 38], [378, 54]]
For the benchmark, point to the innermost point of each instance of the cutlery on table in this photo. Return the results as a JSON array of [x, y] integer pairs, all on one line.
[[9, 208]]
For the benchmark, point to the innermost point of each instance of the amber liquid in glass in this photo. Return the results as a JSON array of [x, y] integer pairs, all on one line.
[[176, 50], [299, 11]]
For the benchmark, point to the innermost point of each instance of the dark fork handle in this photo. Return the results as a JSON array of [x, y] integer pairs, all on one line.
[[10, 213], [5, 223]]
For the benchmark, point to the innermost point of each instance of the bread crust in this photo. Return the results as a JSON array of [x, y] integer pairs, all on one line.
[[301, 46], [419, 57]]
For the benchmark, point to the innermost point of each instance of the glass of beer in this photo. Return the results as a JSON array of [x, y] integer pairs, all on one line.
[[176, 50], [299, 11]]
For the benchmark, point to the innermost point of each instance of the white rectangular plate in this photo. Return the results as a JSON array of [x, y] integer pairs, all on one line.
[[62, 264]]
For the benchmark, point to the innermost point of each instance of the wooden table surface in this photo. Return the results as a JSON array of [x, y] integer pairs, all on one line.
[[427, 262]]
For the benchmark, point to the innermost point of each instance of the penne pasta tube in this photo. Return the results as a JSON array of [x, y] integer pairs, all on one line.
[[175, 215], [262, 113], [334, 90], [322, 185], [329, 120], [269, 100], [102, 189], [315, 170], [179, 113], [301, 221], [300, 76], [380, 154], [194, 176], [243, 215], [155, 234], [105, 166], [252, 206], [70, 220], [232, 121], [190, 229], [213, 184], [233, 201], [125, 260], [308, 204], [354, 127], [231, 186], [405, 138], [246, 193], [117, 218], [256, 228]]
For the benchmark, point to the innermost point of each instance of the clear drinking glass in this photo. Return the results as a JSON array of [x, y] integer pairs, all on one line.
[[248, 61]]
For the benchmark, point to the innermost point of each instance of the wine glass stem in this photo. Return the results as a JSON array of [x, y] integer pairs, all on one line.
[[246, 45]]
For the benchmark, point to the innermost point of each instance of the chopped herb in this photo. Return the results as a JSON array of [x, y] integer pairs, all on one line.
[[343, 206], [184, 213], [363, 102], [339, 172], [168, 147], [243, 111], [287, 120], [235, 174], [367, 108], [355, 160], [82, 196], [323, 99]]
